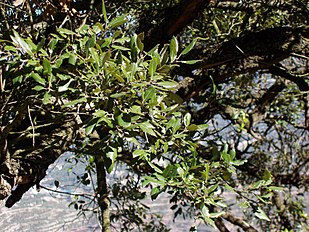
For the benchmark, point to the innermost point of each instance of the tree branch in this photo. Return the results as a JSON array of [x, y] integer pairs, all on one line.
[[239, 222], [173, 21], [299, 81], [246, 54]]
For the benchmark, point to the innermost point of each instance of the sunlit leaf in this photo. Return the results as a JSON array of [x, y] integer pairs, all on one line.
[[118, 21], [189, 47], [187, 119], [75, 102], [38, 78], [65, 87], [147, 127], [18, 40], [168, 84], [261, 214], [173, 49]]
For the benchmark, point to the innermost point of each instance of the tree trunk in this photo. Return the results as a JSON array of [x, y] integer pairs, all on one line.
[[102, 194]]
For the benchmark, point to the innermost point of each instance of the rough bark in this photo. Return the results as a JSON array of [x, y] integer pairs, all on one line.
[[102, 193], [172, 22], [247, 54], [239, 222], [27, 163]]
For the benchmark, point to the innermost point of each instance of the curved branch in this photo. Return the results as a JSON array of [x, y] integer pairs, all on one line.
[[247, 54], [173, 21], [300, 82], [239, 222]]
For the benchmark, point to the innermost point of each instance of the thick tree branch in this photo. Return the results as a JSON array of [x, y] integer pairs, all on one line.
[[239, 222], [173, 21], [27, 168], [299, 81], [220, 225], [247, 54], [255, 5]]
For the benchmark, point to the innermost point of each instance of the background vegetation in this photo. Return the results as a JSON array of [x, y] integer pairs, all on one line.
[[196, 99]]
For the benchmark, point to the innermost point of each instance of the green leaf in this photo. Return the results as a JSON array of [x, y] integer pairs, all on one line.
[[124, 120], [147, 127], [112, 155], [52, 44], [261, 214], [118, 21], [46, 98], [150, 94], [173, 123], [99, 113], [103, 117], [10, 48], [213, 188], [18, 40], [104, 11], [64, 87], [139, 42], [75, 102], [192, 127], [232, 154], [46, 66], [38, 88], [38, 78], [90, 128], [190, 61], [95, 56], [72, 59], [155, 192], [202, 127], [168, 84], [136, 110], [238, 162], [216, 215], [170, 171], [180, 171], [120, 48], [106, 57], [141, 154], [64, 32], [187, 119], [276, 188], [173, 49], [152, 67], [118, 95], [258, 184], [154, 166], [205, 173], [188, 48], [266, 175], [225, 156]]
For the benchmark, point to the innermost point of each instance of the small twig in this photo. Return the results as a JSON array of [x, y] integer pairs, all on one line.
[[30, 15], [33, 128], [88, 196], [64, 21]]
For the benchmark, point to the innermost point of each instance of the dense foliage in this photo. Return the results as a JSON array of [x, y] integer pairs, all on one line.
[[203, 101]]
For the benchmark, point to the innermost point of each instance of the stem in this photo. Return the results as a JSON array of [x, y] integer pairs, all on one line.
[[102, 193]]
